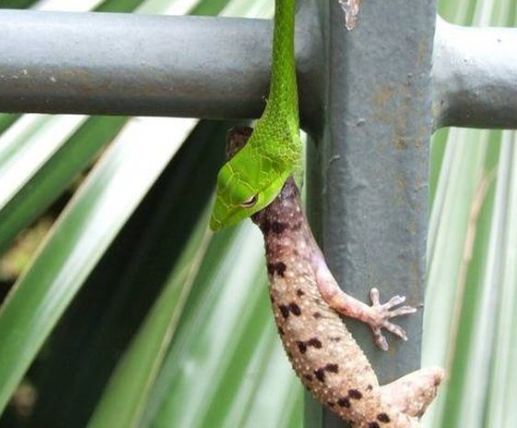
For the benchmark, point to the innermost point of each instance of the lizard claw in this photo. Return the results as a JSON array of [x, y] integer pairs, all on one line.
[[381, 313]]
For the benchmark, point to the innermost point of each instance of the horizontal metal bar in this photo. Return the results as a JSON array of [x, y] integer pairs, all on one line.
[[106, 63], [474, 76], [99, 63]]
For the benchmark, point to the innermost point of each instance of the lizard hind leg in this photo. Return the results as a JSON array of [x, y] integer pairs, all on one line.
[[377, 316], [411, 394]]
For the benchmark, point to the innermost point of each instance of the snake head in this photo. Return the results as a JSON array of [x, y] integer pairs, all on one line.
[[241, 192], [252, 178]]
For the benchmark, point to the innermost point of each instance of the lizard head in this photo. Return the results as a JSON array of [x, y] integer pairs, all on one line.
[[249, 181]]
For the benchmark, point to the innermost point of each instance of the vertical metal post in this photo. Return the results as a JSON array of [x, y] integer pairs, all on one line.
[[368, 168]]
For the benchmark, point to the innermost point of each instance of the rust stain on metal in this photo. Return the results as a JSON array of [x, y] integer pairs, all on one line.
[[382, 95], [423, 53], [351, 9], [400, 142], [381, 100], [416, 279], [400, 193]]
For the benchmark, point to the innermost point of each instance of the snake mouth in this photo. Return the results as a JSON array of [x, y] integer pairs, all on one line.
[[215, 225], [226, 214], [223, 217]]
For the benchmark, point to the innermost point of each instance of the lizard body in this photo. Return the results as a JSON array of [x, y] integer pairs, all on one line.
[[307, 304]]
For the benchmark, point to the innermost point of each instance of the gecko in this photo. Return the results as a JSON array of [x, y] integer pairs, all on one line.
[[307, 303], [257, 182]]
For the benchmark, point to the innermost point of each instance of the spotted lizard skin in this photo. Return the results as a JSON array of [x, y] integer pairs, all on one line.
[[322, 351]]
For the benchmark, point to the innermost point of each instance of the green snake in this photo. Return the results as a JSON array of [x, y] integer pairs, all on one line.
[[253, 178]]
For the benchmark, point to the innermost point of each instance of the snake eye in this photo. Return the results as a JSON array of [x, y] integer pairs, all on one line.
[[249, 202]]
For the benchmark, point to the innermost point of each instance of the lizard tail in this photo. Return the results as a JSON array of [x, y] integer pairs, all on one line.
[[412, 393]]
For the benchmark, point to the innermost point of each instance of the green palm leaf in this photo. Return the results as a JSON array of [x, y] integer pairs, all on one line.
[[77, 242]]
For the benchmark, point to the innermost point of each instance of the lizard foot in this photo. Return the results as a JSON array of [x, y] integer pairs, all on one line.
[[380, 315], [377, 316]]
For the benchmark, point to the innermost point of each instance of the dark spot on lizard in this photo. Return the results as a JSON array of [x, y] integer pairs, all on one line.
[[300, 293], [266, 227], [383, 417], [289, 355], [334, 368], [280, 331], [308, 377], [369, 387], [297, 225], [279, 268], [320, 374], [302, 347], [355, 394], [272, 299], [315, 342], [295, 309], [330, 403], [270, 268], [278, 227], [335, 339], [344, 402], [284, 309], [373, 425], [316, 315]]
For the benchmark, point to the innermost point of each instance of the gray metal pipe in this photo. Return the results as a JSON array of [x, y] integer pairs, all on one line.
[[107, 63], [367, 192], [474, 76], [98, 63]]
